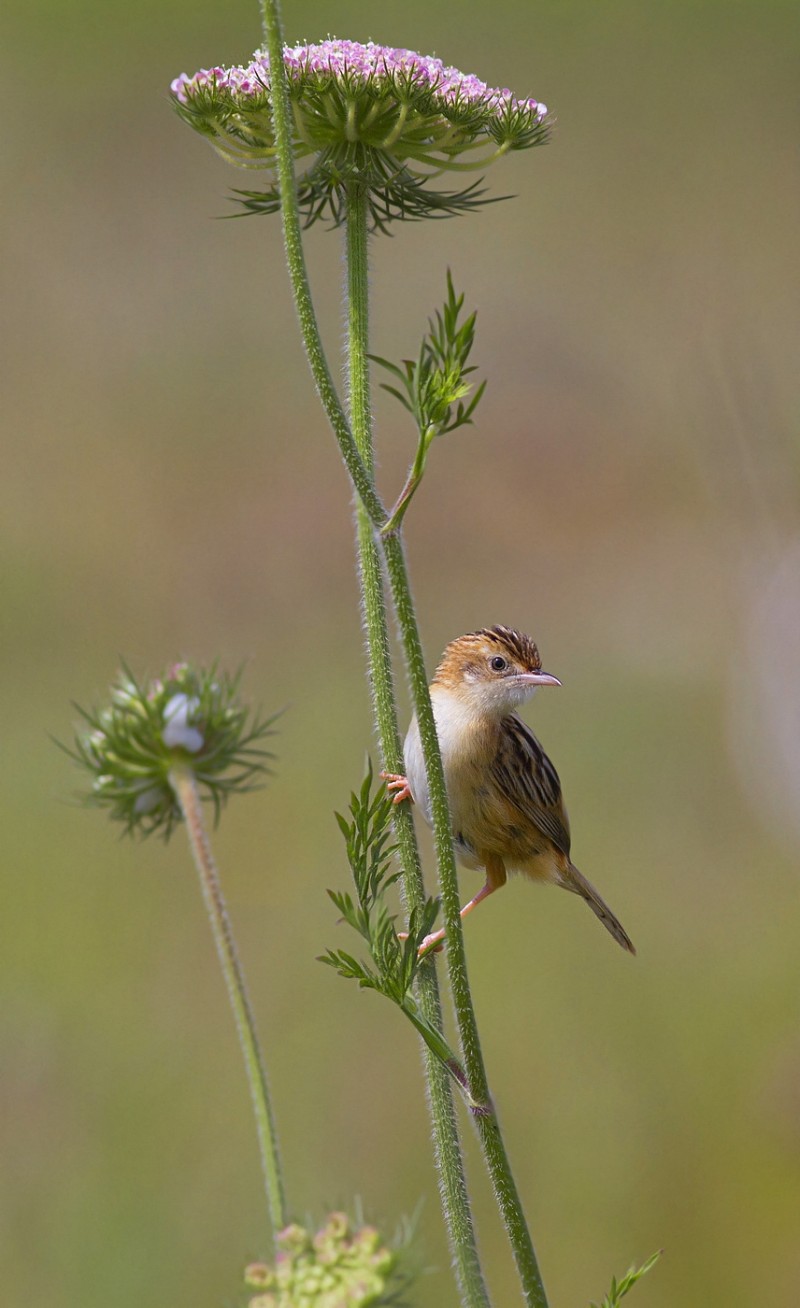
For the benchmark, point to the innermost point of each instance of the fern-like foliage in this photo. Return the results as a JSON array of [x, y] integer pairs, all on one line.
[[620, 1288], [434, 387], [394, 960]]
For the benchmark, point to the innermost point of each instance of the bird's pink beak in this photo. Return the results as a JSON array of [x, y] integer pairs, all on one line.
[[537, 679]]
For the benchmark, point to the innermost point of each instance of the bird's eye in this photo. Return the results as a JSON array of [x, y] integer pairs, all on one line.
[[498, 663]]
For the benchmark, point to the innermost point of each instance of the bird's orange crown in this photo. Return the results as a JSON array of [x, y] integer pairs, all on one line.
[[476, 657]]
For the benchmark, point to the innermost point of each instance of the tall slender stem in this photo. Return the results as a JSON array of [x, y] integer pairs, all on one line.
[[185, 787], [295, 258], [484, 1114], [468, 1268], [445, 1129]]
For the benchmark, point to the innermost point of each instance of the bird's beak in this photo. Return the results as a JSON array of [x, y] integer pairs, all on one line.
[[537, 679]]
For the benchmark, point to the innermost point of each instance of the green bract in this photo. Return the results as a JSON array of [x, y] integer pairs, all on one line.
[[390, 118], [189, 718]]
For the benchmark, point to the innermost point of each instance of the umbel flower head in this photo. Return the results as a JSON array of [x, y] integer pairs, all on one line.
[[390, 118], [189, 718], [338, 1267]]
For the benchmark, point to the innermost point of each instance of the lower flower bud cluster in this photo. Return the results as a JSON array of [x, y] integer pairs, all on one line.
[[337, 1267]]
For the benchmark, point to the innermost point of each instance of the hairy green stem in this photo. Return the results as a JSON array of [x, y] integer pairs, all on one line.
[[484, 1115], [412, 483], [448, 1150], [455, 1202], [185, 787], [295, 258], [372, 515]]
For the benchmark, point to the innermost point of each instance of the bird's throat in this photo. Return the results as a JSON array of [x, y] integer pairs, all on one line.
[[463, 732]]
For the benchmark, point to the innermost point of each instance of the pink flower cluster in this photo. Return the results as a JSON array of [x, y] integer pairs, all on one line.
[[364, 62]]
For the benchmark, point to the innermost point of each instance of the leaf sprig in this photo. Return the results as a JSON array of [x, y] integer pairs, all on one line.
[[395, 960], [620, 1288], [434, 387]]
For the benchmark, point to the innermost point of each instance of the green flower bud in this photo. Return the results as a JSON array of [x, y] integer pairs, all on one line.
[[188, 718], [333, 1268]]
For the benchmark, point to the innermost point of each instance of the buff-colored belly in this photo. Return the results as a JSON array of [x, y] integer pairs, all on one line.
[[485, 826]]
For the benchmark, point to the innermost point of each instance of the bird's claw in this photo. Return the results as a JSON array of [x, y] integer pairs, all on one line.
[[397, 785], [432, 944]]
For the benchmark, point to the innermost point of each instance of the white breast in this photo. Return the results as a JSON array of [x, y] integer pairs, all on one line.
[[415, 770], [454, 724]]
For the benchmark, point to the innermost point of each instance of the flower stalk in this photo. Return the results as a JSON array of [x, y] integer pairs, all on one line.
[[458, 1216], [154, 753], [377, 627], [477, 1085], [298, 274], [382, 124], [483, 1114], [185, 787]]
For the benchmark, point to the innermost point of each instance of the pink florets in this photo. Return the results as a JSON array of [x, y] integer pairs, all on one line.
[[365, 62], [389, 117]]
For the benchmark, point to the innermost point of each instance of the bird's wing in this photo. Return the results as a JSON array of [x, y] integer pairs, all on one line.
[[529, 782]]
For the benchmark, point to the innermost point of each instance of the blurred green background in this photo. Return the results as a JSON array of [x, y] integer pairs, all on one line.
[[629, 495]]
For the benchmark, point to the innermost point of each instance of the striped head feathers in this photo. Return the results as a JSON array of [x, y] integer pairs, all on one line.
[[492, 671]]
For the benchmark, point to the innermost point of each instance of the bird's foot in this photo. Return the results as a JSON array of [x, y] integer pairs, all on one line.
[[432, 944], [397, 785]]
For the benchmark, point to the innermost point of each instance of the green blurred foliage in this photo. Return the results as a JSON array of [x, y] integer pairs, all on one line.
[[628, 494]]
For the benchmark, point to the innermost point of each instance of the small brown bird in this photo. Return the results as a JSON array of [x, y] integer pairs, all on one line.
[[504, 793]]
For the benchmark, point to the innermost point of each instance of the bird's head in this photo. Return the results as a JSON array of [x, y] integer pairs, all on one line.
[[492, 671]]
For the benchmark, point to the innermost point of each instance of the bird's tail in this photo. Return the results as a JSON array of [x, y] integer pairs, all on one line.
[[572, 879]]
